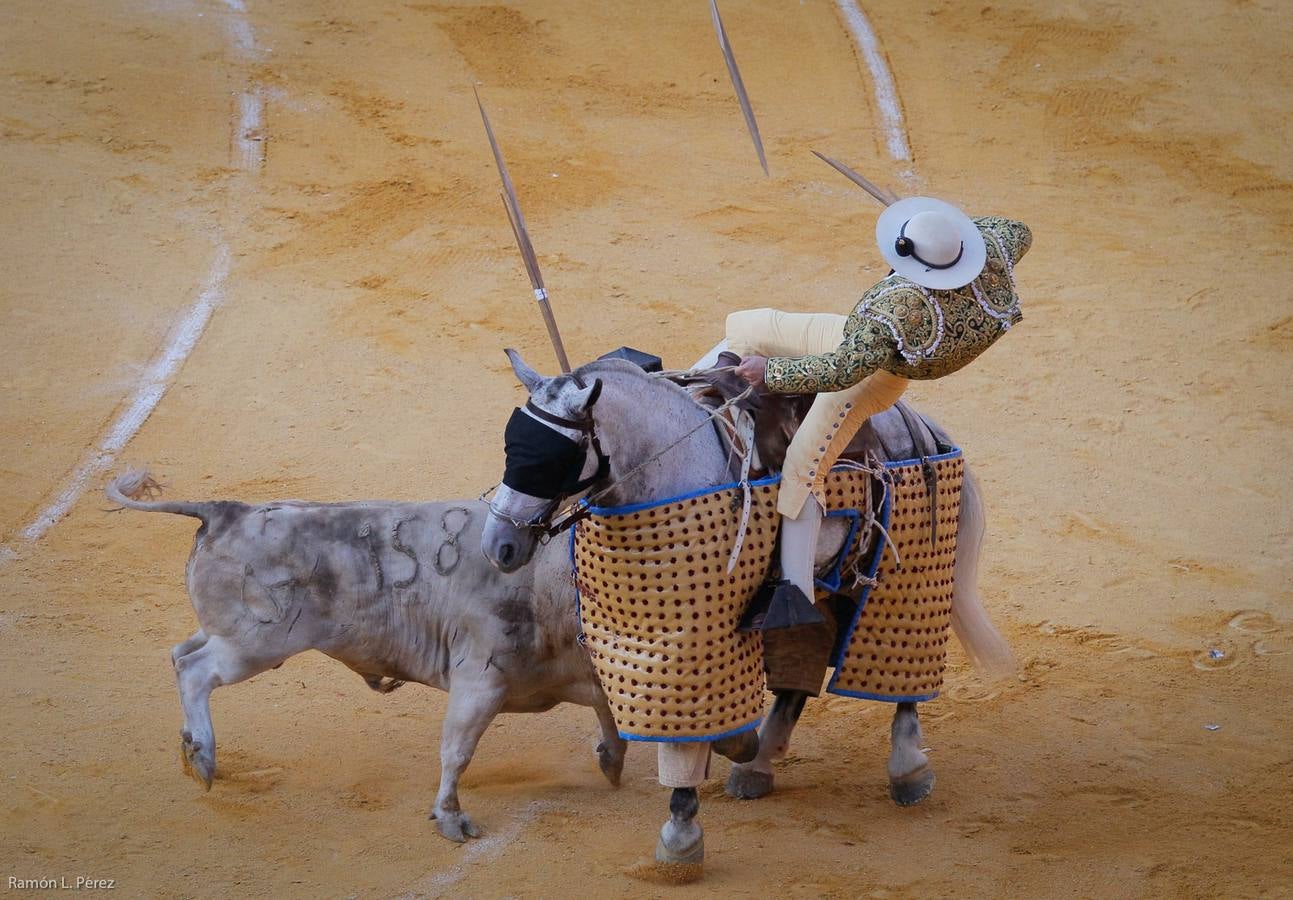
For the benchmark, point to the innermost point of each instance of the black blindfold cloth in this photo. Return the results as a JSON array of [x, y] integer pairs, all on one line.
[[541, 461]]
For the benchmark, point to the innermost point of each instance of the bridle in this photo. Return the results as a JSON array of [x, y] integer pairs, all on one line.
[[550, 521], [544, 525]]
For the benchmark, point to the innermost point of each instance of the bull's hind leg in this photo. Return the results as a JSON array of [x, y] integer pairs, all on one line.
[[215, 662], [472, 706], [910, 777], [754, 779]]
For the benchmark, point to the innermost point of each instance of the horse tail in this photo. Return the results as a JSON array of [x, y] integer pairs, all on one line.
[[983, 643]]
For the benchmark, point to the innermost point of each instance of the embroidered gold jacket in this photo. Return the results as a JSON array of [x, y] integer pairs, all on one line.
[[915, 332]]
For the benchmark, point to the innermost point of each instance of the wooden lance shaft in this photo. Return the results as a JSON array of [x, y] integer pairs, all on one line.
[[887, 197], [522, 235], [536, 281], [738, 84]]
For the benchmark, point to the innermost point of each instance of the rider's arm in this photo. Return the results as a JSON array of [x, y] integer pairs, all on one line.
[[867, 346]]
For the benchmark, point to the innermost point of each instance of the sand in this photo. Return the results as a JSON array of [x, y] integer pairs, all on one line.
[[1132, 434]]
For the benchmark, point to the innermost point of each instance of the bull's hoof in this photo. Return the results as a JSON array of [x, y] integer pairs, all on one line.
[[912, 788], [739, 748], [456, 826], [611, 762], [748, 784], [199, 760]]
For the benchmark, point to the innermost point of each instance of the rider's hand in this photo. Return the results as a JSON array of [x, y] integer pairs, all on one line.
[[753, 369]]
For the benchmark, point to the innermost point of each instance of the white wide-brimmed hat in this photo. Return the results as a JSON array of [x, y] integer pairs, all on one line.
[[931, 242]]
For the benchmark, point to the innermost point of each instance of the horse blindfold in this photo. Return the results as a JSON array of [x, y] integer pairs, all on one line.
[[541, 461]]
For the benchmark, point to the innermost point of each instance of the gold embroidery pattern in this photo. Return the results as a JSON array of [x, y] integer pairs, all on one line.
[[916, 333]]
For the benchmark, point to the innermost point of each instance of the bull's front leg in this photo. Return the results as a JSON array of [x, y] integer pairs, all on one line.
[[910, 777], [472, 706]]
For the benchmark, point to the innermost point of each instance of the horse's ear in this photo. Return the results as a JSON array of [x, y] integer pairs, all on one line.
[[529, 378], [593, 394]]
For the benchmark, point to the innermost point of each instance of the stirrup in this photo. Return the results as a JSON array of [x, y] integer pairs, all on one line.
[[779, 604]]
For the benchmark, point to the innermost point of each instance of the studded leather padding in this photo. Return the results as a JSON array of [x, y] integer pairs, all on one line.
[[659, 612], [897, 649]]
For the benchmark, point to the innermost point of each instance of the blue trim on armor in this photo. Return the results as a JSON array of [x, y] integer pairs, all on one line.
[[574, 578], [899, 463], [682, 740], [831, 582], [876, 556], [651, 504], [884, 698]]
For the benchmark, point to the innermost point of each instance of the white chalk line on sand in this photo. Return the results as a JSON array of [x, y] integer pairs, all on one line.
[[250, 137], [481, 850], [249, 156], [886, 92], [147, 395]]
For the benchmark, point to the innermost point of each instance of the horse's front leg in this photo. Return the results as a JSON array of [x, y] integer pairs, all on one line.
[[754, 779], [910, 777]]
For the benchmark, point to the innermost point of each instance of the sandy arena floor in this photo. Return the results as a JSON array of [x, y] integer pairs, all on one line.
[[1133, 434]]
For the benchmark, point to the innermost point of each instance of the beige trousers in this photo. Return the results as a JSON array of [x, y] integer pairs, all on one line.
[[834, 418], [682, 764]]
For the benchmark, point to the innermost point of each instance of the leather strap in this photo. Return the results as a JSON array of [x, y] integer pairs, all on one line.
[[923, 440], [581, 425]]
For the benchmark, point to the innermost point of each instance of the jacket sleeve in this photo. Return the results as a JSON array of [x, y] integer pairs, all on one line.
[[867, 346]]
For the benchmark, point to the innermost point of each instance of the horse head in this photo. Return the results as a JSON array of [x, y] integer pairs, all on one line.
[[641, 438], [553, 453]]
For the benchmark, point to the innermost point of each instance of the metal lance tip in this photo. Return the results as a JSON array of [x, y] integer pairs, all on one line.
[[738, 84], [522, 235]]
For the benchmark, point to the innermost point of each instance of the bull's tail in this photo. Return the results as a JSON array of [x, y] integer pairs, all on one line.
[[983, 643], [129, 486]]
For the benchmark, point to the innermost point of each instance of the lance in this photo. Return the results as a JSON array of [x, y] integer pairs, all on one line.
[[886, 197], [522, 235], [739, 85]]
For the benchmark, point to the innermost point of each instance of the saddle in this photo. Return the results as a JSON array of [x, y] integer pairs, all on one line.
[[778, 416]]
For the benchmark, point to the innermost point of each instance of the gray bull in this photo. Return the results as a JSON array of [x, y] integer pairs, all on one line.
[[397, 592]]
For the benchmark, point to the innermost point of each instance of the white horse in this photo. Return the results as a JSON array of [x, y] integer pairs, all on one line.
[[627, 417]]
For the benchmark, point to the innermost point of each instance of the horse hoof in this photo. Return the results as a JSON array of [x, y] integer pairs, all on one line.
[[611, 762], [693, 855], [748, 784], [455, 826], [912, 788]]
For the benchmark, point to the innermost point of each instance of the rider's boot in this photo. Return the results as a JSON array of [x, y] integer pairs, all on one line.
[[797, 638]]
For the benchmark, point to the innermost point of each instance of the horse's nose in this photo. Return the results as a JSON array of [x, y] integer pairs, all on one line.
[[506, 554]]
